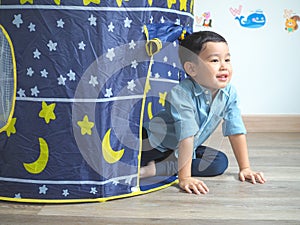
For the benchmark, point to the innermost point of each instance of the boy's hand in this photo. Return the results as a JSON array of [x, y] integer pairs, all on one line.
[[253, 177], [193, 185]]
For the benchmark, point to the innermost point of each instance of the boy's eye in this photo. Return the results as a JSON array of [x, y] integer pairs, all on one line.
[[227, 60], [214, 60]]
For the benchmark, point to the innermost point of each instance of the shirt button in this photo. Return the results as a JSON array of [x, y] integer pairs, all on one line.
[[206, 92], [207, 102]]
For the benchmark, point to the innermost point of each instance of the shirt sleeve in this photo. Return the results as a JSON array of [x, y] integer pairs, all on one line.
[[233, 122], [183, 112]]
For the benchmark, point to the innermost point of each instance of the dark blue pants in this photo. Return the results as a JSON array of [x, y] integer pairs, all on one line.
[[208, 162]]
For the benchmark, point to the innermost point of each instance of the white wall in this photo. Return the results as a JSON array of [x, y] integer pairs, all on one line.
[[266, 60]]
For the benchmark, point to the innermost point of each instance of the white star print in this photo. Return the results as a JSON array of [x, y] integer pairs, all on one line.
[[134, 189], [134, 64], [93, 190], [17, 20], [71, 75], [156, 75], [30, 72], [110, 54], [162, 19], [52, 45], [61, 80], [81, 45], [21, 93], [174, 65], [131, 85], [92, 20], [36, 54], [108, 93], [151, 19], [93, 81], [31, 27], [165, 59], [132, 44], [111, 27], [18, 195], [34, 91], [44, 73], [127, 22], [169, 73], [43, 189], [65, 192], [177, 22], [115, 182], [60, 23], [128, 180], [174, 44]]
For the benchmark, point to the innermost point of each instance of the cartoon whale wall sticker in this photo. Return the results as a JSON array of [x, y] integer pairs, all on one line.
[[254, 20]]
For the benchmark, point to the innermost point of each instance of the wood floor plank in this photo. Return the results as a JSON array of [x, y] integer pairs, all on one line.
[[74, 220], [226, 200], [19, 208]]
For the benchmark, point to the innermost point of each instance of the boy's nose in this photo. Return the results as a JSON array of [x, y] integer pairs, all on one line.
[[223, 66]]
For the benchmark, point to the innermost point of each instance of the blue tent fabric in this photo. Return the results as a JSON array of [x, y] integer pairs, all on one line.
[[85, 85]]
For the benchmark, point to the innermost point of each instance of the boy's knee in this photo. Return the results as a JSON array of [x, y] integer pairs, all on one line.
[[221, 163]]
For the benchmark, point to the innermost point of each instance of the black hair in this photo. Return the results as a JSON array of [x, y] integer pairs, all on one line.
[[191, 46]]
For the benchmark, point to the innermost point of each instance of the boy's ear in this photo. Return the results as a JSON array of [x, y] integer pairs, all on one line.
[[190, 68]]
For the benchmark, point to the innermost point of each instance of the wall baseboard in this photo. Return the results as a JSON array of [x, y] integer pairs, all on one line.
[[272, 123]]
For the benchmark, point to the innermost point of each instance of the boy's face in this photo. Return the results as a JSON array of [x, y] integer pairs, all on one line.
[[213, 69]]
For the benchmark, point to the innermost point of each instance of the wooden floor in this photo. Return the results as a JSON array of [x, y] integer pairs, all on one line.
[[229, 201]]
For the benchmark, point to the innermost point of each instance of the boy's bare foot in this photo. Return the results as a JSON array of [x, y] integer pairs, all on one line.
[[148, 171]]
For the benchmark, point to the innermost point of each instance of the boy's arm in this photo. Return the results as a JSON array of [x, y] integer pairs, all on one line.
[[186, 181], [239, 145]]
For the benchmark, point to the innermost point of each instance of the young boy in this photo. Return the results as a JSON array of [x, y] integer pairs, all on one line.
[[193, 110]]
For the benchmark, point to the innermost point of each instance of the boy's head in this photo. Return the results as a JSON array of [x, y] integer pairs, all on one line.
[[194, 43], [205, 58]]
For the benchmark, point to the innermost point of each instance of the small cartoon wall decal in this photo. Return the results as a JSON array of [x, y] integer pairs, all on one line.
[[204, 20], [207, 20], [291, 22], [255, 19]]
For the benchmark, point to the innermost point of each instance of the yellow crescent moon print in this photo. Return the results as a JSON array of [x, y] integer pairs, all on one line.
[[150, 114], [39, 165], [110, 155]]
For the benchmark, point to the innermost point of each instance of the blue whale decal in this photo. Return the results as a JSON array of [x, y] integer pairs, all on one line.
[[254, 20]]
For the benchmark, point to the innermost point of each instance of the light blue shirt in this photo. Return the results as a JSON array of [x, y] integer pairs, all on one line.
[[190, 111]]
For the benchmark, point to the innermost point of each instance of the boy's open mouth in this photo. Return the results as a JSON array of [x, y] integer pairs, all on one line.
[[222, 77]]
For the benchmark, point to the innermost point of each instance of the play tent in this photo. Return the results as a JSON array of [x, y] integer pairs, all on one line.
[[77, 81]]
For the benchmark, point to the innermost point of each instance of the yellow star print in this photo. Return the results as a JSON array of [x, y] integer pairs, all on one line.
[[170, 3], [11, 127], [162, 98], [24, 1], [86, 2], [183, 5], [86, 126], [47, 112]]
